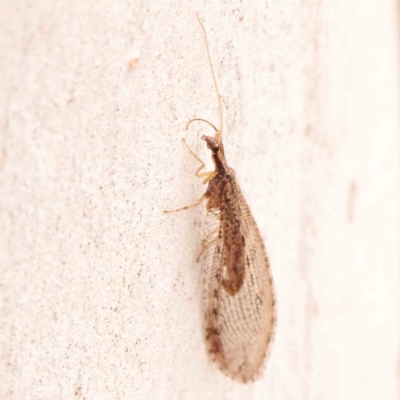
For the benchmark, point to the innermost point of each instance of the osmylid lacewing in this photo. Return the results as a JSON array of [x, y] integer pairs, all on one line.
[[239, 295]]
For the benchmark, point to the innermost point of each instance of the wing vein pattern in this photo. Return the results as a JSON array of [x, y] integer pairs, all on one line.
[[239, 296]]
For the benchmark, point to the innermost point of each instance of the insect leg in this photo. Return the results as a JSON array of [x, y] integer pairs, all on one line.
[[198, 202], [205, 244], [206, 175]]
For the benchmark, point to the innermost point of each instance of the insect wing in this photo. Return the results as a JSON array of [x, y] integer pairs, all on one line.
[[239, 296]]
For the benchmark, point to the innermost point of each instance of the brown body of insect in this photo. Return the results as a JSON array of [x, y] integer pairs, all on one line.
[[239, 295]]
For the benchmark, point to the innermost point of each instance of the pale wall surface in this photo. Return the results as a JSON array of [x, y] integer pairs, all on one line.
[[100, 292]]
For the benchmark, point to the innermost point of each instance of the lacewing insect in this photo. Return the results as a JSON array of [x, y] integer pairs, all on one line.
[[239, 295]]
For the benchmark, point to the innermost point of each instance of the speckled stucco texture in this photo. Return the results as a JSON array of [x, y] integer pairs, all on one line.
[[100, 292]]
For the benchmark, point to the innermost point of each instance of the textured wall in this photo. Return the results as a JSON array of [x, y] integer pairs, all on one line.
[[100, 294]]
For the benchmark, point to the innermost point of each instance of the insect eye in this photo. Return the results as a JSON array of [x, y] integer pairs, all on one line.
[[212, 143], [213, 146]]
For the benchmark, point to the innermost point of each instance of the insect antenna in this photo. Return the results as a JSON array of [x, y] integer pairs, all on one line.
[[218, 133], [201, 119]]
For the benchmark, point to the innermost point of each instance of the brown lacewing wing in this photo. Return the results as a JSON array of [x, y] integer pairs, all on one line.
[[239, 296]]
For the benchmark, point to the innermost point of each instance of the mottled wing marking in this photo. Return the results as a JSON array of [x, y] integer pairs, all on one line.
[[233, 254], [239, 295]]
